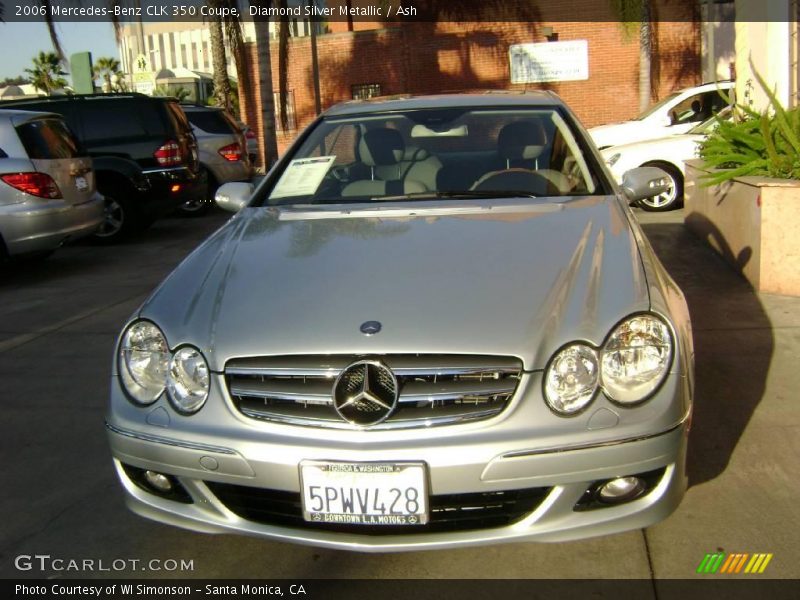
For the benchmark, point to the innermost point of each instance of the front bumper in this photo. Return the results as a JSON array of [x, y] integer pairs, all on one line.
[[490, 459], [40, 225]]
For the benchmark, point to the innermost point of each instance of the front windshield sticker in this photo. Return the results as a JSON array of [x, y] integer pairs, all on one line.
[[302, 177]]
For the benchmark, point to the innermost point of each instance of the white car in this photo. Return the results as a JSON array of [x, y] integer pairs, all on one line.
[[677, 113], [667, 153]]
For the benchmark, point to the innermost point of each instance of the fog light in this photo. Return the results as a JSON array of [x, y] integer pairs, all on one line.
[[621, 489], [158, 481], [175, 188]]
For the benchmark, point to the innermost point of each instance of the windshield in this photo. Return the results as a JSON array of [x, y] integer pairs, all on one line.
[[657, 106], [436, 153]]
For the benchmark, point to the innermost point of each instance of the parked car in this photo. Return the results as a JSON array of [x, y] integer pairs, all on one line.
[[677, 113], [47, 185], [435, 323], [668, 153], [223, 152], [144, 153]]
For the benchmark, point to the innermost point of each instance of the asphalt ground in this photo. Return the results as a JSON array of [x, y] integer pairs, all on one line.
[[58, 323]]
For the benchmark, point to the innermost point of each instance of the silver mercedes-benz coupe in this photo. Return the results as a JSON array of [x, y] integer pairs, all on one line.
[[435, 323]]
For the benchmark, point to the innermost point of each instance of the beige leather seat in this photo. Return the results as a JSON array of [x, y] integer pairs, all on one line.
[[417, 164], [382, 150], [520, 145]]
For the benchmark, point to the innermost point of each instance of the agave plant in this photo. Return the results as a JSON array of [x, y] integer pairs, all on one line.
[[760, 144]]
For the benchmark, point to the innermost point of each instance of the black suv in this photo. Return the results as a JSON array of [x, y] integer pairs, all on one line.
[[144, 152]]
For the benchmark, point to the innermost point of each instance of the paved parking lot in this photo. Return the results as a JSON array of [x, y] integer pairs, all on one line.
[[58, 323]]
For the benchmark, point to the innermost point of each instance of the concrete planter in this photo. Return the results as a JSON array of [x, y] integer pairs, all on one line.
[[753, 222]]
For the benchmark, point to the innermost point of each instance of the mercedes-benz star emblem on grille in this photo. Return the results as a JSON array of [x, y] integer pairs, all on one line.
[[365, 393], [370, 327]]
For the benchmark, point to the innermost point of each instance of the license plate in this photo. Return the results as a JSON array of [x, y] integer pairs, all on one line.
[[81, 184], [364, 493]]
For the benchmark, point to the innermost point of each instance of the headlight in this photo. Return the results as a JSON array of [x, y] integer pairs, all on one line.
[[143, 361], [612, 160], [636, 358], [571, 379], [188, 380]]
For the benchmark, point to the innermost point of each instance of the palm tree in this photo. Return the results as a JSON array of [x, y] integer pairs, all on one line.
[[46, 74], [222, 84], [106, 69], [266, 99], [180, 92], [638, 15]]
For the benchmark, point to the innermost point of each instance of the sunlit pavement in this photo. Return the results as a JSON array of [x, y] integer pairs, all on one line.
[[58, 324]]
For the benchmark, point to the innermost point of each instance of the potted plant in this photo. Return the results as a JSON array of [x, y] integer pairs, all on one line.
[[743, 194]]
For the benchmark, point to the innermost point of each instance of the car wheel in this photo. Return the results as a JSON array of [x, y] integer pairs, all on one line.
[[118, 221], [672, 198], [199, 206]]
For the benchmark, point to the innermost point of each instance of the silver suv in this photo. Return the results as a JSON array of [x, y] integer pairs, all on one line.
[[222, 147], [47, 187]]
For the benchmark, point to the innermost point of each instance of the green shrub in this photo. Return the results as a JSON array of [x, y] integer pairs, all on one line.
[[761, 144]]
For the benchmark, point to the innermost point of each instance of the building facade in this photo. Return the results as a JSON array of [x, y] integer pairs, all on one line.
[[426, 58]]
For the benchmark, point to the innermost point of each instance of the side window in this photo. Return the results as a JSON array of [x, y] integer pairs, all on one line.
[[697, 108], [49, 139], [718, 101]]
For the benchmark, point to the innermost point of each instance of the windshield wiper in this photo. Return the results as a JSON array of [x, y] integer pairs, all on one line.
[[459, 194]]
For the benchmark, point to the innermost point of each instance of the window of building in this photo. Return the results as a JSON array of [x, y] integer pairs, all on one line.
[[291, 124], [206, 59], [362, 91], [184, 58], [195, 61]]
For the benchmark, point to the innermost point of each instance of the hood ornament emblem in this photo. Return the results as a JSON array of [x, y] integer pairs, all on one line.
[[365, 393], [370, 327]]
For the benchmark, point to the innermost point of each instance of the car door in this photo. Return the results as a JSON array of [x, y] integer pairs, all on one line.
[[54, 150]]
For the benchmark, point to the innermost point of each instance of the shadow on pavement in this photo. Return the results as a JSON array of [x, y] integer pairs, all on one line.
[[733, 344], [84, 257]]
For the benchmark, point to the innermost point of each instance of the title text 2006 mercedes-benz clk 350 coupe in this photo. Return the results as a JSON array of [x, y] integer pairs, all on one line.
[[435, 323]]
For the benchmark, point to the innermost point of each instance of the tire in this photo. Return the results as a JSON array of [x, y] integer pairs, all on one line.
[[197, 207], [120, 219], [672, 198]]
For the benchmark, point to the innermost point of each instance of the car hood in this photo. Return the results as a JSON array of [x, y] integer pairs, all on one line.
[[516, 278], [614, 133]]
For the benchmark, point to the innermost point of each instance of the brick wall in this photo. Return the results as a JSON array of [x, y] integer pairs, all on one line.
[[425, 58]]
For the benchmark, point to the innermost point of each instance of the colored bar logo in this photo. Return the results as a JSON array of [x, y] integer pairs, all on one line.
[[720, 562]]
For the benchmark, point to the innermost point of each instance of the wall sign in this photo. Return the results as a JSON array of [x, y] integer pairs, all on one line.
[[549, 61]]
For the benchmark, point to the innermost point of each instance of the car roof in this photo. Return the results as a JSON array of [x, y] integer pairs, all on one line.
[[488, 99], [86, 98]]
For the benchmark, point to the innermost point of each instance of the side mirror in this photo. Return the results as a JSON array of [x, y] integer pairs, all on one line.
[[644, 182], [233, 196]]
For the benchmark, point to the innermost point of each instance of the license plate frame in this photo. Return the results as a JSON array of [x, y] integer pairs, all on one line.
[[368, 486]]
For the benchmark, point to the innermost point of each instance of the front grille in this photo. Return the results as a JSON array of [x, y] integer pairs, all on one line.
[[449, 512], [434, 389]]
